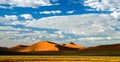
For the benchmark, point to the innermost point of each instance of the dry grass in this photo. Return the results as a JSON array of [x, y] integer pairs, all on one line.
[[59, 59]]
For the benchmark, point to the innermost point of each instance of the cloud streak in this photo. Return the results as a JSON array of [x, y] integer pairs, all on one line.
[[50, 12], [26, 3]]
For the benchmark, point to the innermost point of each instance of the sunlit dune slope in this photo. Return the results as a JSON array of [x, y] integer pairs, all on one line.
[[40, 46]]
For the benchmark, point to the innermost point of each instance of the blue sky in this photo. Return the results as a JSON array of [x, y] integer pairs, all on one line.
[[84, 22]]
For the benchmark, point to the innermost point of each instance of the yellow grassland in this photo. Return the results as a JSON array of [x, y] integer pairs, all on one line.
[[59, 58]]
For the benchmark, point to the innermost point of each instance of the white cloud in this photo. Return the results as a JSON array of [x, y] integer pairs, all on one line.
[[45, 12], [50, 12], [13, 28], [70, 12], [116, 14], [26, 3], [27, 16], [3, 1], [95, 38], [29, 37], [78, 24], [5, 7], [8, 28], [14, 19], [10, 17], [112, 5]]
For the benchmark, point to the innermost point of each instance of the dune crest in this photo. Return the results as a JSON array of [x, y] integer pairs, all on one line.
[[44, 46]]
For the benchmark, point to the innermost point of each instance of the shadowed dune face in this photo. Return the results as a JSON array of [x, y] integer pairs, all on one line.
[[61, 47], [3, 48], [72, 45], [18, 47]]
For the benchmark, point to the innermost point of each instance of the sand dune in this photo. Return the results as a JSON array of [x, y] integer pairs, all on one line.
[[40, 46], [45, 46], [50, 46]]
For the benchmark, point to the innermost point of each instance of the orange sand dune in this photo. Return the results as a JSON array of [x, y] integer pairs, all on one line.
[[40, 46]]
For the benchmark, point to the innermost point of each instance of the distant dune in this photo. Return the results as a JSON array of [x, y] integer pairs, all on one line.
[[3, 48], [105, 47]]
